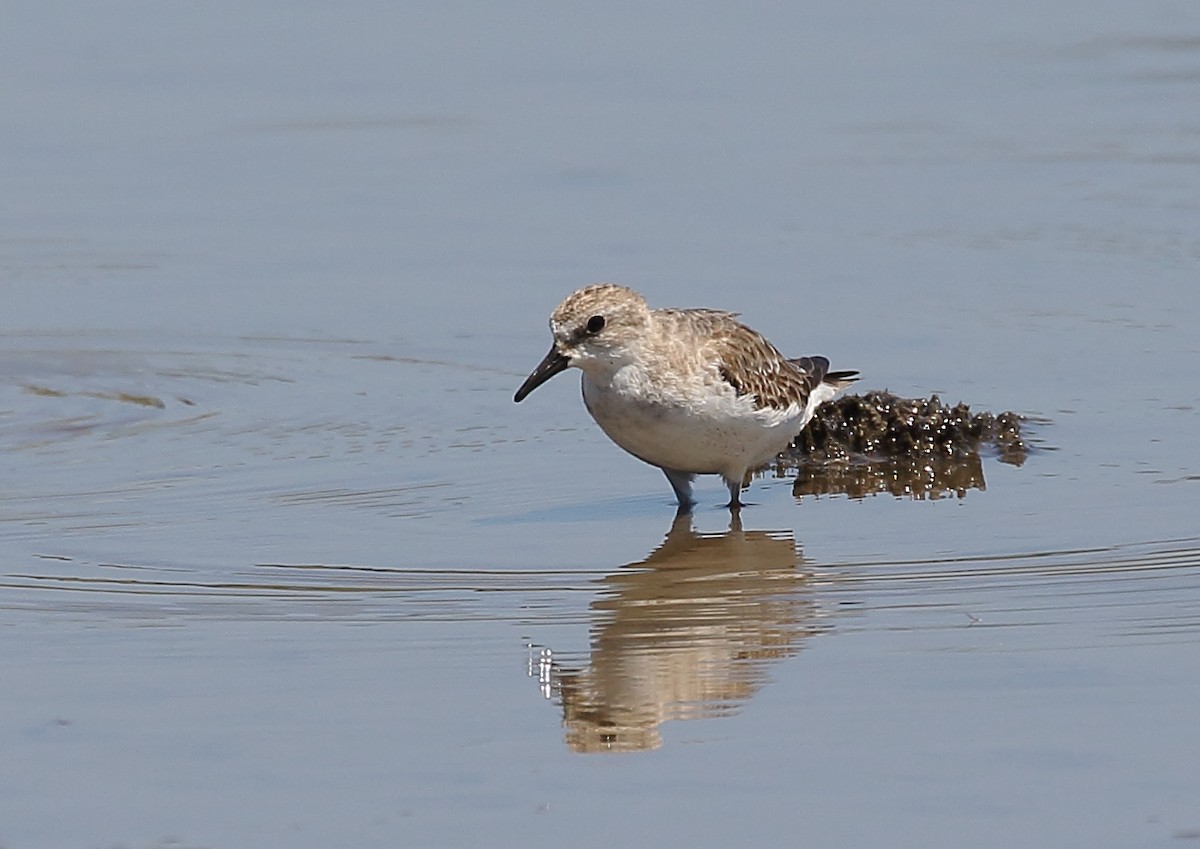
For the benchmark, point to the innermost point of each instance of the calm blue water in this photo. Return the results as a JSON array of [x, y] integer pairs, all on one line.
[[282, 563]]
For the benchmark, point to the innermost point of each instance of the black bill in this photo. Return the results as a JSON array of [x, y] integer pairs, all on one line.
[[551, 364]]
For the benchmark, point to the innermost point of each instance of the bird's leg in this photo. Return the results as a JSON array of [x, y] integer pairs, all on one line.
[[681, 482], [735, 491]]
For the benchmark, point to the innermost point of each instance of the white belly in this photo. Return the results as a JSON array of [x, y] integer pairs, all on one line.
[[722, 434]]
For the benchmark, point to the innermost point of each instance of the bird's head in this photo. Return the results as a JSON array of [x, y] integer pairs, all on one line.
[[594, 329]]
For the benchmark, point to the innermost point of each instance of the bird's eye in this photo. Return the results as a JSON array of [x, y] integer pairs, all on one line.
[[595, 324]]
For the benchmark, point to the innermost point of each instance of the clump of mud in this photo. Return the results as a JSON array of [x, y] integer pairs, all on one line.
[[858, 445]]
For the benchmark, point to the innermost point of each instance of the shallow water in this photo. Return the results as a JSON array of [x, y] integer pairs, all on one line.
[[284, 565]]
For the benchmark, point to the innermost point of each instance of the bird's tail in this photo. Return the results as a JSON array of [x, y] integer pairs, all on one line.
[[839, 379], [819, 368]]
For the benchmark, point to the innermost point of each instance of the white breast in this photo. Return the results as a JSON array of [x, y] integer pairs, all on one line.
[[705, 430]]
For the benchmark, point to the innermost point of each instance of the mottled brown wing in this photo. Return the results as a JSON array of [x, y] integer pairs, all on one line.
[[753, 366], [748, 362]]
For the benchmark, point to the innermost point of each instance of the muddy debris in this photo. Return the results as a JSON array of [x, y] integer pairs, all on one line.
[[921, 448]]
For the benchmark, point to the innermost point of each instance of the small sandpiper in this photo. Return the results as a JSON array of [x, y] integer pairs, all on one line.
[[692, 391]]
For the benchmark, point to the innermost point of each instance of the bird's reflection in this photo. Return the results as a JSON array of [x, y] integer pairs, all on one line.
[[688, 632]]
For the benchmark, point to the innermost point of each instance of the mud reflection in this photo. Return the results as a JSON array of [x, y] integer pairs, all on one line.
[[919, 479], [688, 632]]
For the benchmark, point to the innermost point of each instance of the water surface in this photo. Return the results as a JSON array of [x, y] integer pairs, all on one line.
[[284, 565]]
